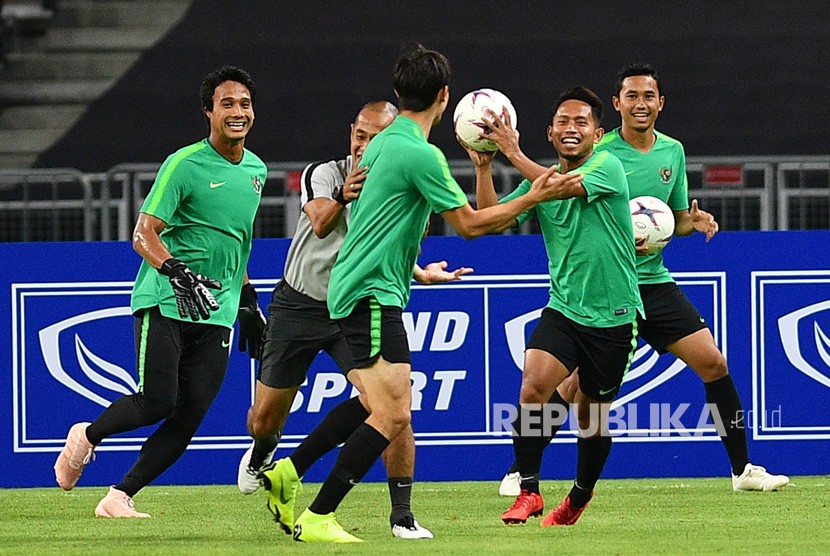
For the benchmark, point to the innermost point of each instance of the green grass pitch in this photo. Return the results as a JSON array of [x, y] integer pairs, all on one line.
[[643, 516]]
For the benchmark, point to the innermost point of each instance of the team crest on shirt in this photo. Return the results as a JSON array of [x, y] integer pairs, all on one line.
[[257, 183], [665, 174]]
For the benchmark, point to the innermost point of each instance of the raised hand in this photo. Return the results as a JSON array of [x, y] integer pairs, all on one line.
[[480, 159], [703, 221], [502, 132], [354, 183]]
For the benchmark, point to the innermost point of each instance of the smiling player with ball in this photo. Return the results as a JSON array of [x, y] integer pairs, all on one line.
[[655, 165]]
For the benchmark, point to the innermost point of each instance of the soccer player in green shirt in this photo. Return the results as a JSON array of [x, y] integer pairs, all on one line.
[[194, 234], [590, 321], [299, 328], [655, 165], [407, 179]]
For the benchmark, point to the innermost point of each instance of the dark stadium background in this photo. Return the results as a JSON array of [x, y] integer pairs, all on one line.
[[742, 78]]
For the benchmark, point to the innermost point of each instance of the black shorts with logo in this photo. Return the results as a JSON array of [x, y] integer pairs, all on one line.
[[299, 327], [373, 330], [670, 316], [603, 355]]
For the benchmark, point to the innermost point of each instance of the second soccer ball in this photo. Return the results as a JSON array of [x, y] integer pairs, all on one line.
[[470, 113], [653, 219]]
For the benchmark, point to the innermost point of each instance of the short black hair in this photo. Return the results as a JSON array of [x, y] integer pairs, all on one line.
[[226, 73], [637, 69], [419, 74], [584, 94]]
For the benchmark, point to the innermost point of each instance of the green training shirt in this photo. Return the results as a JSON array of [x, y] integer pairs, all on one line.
[[209, 206], [590, 247], [660, 173], [408, 179]]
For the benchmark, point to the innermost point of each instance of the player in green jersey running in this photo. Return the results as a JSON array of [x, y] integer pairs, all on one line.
[[656, 165], [194, 234], [590, 321], [407, 179], [299, 328]]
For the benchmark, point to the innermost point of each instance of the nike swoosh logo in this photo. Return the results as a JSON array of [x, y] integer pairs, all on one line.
[[603, 392], [627, 173], [215, 185], [400, 485], [226, 344]]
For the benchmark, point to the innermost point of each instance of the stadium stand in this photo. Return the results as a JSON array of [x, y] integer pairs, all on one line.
[[62, 55], [729, 72], [109, 89]]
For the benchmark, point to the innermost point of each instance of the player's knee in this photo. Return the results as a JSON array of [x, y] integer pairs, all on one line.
[[263, 426], [713, 368], [534, 393], [397, 419], [157, 408]]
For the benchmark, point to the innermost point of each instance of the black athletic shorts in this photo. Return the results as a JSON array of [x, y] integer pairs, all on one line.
[[299, 327], [373, 330], [603, 355], [180, 363], [670, 316]]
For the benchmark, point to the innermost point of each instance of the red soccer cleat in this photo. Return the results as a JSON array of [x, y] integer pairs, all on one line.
[[527, 504], [564, 513]]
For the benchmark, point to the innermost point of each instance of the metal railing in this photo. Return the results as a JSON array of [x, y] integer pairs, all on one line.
[[46, 205], [63, 204], [803, 199], [746, 203]]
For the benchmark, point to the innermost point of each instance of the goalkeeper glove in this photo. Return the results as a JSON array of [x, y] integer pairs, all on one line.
[[251, 322], [191, 290]]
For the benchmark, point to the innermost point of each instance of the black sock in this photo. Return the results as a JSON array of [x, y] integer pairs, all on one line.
[[591, 455], [335, 428], [262, 447], [557, 400], [356, 457], [724, 396], [580, 496], [400, 492], [528, 446]]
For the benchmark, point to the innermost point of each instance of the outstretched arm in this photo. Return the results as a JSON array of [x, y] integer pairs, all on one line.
[[470, 223]]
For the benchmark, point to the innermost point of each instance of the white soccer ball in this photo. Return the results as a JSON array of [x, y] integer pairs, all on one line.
[[469, 114], [653, 219]]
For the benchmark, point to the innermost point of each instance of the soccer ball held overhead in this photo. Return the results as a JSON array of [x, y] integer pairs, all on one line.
[[470, 113]]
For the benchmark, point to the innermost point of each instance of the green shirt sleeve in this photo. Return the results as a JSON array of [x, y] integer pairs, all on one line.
[[603, 174], [168, 190], [435, 182]]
